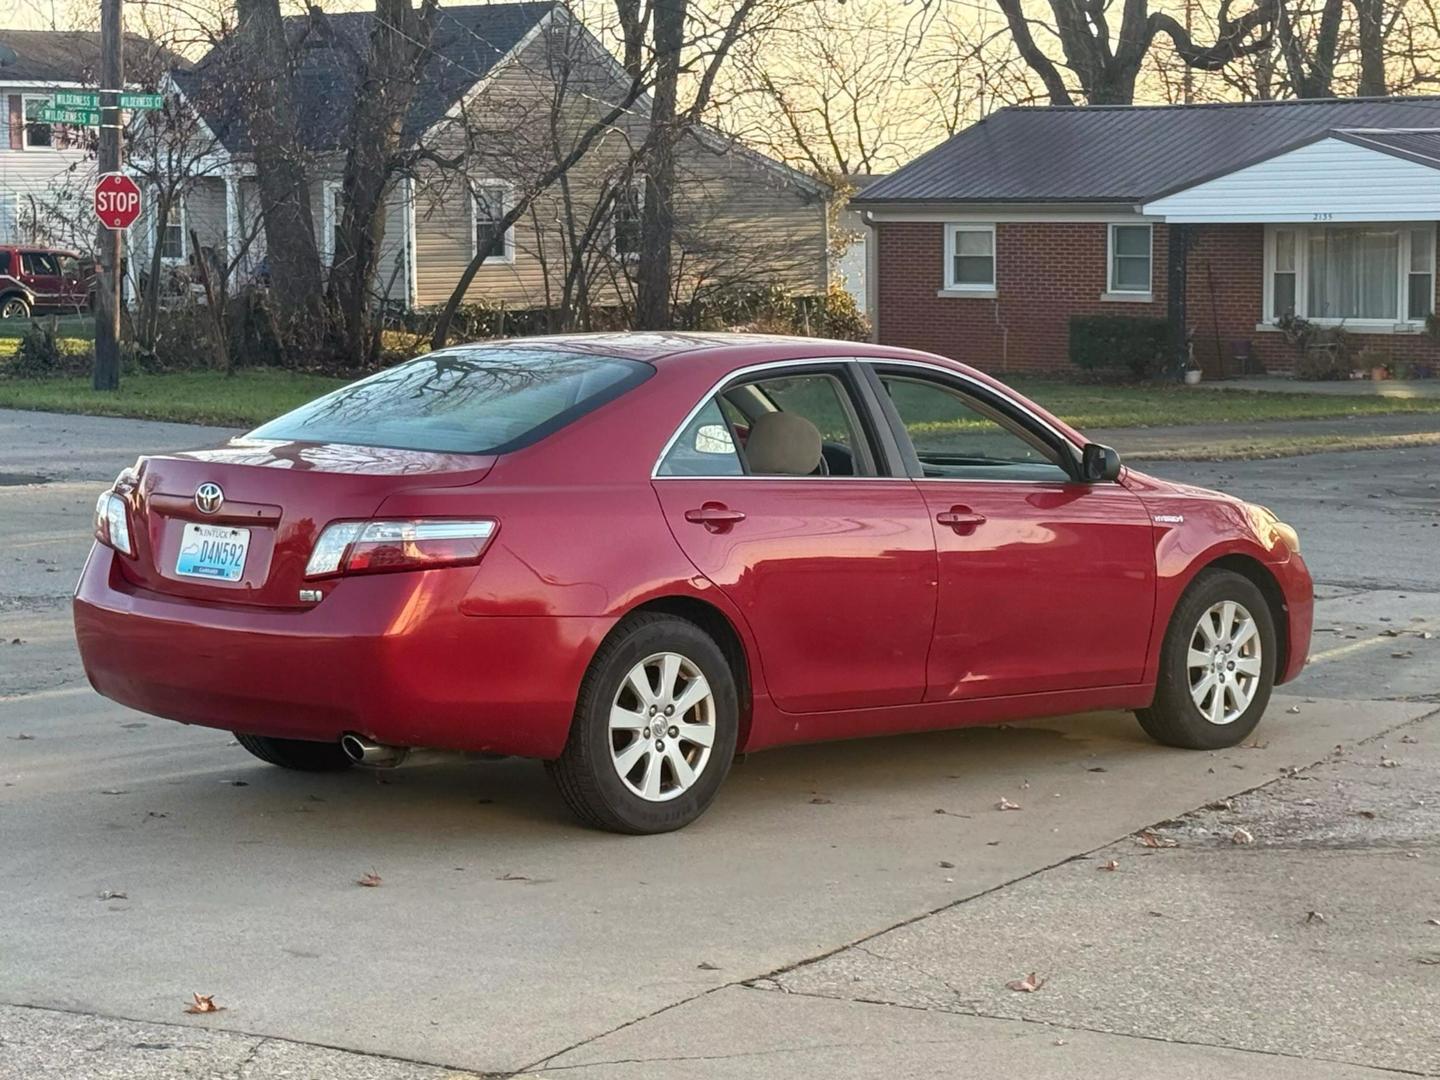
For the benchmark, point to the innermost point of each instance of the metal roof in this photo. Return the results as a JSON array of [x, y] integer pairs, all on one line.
[[1102, 153]]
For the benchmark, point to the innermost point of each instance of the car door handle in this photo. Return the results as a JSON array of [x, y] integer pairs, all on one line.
[[717, 517], [961, 518]]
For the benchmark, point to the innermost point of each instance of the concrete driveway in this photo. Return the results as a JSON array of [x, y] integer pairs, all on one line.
[[853, 909]]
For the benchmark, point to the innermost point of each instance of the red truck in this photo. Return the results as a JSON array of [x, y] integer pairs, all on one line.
[[42, 281]]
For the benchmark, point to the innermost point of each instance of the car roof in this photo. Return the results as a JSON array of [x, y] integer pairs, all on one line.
[[664, 347]]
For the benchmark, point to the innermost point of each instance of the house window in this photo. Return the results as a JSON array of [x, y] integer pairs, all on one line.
[[627, 221], [334, 209], [1420, 283], [1129, 259], [171, 233], [490, 202], [37, 132], [1282, 279], [970, 257], [1376, 273]]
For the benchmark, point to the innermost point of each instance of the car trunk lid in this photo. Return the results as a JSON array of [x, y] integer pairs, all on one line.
[[279, 495]]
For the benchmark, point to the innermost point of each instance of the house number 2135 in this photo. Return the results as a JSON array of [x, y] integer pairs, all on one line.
[[1323, 216]]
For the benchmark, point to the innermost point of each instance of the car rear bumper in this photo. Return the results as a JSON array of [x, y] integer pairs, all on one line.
[[384, 656], [1299, 590]]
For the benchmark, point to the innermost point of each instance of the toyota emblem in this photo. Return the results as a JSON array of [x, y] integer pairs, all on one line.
[[209, 498]]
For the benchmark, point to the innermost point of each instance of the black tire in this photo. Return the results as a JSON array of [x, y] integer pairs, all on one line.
[[585, 772], [298, 754], [1174, 718], [14, 307]]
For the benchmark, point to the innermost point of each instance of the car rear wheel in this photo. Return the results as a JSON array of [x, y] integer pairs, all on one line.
[[14, 307], [1217, 665], [296, 753], [654, 729]]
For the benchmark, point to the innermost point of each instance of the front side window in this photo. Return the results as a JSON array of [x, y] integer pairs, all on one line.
[[473, 400], [491, 204], [1129, 258], [970, 257], [959, 437]]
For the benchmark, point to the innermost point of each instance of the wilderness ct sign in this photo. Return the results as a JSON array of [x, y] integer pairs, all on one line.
[[117, 201]]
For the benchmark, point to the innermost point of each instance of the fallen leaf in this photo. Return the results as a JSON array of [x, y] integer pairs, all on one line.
[[203, 1003], [1111, 865], [1432, 960], [1369, 815], [1256, 744], [1028, 985], [1147, 838], [111, 894], [1220, 804], [1409, 739], [1404, 655], [1293, 709], [1432, 922], [1097, 768], [951, 813], [114, 791], [820, 800], [1389, 763], [705, 965], [1242, 836], [22, 737], [370, 881], [237, 783], [1006, 804], [1314, 916], [1412, 854], [946, 865], [507, 876]]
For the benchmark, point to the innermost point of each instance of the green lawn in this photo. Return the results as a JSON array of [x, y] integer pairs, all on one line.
[[80, 327], [256, 395], [198, 397]]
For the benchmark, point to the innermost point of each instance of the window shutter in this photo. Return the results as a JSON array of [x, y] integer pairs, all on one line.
[[17, 122]]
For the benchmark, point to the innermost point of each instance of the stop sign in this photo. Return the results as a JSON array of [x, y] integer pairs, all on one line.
[[117, 201]]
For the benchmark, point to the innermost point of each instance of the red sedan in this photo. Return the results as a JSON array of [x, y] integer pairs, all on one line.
[[634, 556]]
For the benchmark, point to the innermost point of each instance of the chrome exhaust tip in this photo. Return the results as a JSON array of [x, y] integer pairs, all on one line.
[[372, 755]]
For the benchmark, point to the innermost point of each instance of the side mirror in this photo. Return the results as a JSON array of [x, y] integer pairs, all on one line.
[[1099, 464]]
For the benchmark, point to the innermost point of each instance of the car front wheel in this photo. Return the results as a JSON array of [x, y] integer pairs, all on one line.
[[1217, 665], [654, 729]]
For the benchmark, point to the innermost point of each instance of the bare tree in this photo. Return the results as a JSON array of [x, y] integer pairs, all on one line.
[[1106, 63]]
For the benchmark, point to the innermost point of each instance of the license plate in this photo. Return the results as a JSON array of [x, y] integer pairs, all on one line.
[[216, 552]]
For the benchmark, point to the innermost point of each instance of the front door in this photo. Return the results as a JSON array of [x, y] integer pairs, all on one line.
[[1046, 583], [772, 490]]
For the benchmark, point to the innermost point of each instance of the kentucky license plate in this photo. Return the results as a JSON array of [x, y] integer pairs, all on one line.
[[216, 552]]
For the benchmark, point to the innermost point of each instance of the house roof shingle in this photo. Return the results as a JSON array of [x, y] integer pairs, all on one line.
[[1132, 153], [73, 56], [467, 43]]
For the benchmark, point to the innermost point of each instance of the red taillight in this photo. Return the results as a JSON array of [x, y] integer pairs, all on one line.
[[371, 547]]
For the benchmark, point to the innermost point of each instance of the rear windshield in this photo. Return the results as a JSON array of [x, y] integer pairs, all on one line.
[[473, 400]]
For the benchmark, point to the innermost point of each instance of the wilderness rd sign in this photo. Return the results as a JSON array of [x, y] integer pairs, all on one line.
[[79, 117], [117, 201]]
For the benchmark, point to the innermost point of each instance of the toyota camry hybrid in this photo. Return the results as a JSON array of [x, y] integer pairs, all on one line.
[[634, 556]]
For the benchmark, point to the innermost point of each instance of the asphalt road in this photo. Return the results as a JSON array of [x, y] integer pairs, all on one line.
[[854, 909]]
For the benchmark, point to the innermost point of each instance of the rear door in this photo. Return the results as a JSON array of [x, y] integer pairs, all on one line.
[[40, 271], [1046, 583], [832, 564]]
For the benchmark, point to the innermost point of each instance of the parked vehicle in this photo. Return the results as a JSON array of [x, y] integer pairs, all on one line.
[[44, 281], [632, 556]]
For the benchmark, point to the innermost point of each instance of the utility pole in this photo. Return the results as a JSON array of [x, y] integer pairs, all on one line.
[[110, 243]]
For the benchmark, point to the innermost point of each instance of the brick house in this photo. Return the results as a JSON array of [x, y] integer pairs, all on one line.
[[1220, 218]]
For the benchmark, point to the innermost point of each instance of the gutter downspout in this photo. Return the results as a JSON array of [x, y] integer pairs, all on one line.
[[872, 275]]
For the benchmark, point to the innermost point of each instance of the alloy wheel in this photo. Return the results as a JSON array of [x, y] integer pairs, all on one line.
[[12, 309], [1224, 662], [662, 727]]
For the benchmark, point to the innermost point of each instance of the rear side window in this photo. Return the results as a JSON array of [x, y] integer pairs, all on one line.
[[473, 400]]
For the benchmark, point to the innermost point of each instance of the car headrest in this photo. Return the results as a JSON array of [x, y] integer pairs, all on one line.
[[784, 444]]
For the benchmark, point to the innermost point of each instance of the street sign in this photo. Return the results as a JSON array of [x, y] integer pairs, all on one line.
[[117, 201], [69, 99], [69, 116], [142, 101]]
